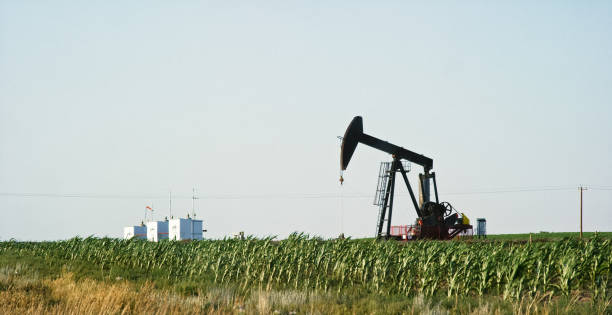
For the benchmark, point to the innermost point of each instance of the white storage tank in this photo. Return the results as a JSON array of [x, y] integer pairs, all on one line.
[[185, 229], [157, 230], [136, 231]]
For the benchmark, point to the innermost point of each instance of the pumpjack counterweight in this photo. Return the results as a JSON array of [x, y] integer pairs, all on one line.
[[436, 220]]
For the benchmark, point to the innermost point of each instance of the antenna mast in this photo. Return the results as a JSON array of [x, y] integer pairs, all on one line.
[[193, 199]]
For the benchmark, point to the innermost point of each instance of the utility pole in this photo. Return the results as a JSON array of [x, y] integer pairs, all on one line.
[[581, 188]]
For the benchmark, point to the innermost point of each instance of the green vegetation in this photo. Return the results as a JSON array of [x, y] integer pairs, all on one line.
[[547, 236], [339, 275]]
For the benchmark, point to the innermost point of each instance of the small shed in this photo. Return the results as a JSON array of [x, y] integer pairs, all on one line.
[[481, 227], [135, 231], [185, 229], [157, 230]]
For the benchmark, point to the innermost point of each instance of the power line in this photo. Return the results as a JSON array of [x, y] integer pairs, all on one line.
[[279, 196], [116, 196], [78, 195], [600, 187], [503, 191]]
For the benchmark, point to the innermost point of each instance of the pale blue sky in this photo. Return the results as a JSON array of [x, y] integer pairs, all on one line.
[[244, 102]]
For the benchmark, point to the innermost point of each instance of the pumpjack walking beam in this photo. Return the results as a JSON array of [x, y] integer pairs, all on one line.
[[354, 135]]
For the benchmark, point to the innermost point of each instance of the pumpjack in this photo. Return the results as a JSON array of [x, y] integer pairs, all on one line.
[[436, 220]]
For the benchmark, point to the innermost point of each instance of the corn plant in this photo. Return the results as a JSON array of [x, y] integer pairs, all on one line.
[[305, 263]]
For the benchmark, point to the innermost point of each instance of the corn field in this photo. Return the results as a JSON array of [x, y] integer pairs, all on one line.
[[423, 268]]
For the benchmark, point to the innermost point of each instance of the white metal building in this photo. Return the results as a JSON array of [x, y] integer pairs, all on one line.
[[185, 229], [157, 230], [136, 231]]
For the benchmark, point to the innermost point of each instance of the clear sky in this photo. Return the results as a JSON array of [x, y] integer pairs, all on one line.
[[113, 104]]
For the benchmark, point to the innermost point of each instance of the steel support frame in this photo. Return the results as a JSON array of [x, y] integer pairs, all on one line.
[[396, 165]]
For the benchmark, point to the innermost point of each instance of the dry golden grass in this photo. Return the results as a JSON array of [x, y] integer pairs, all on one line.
[[66, 296], [24, 293]]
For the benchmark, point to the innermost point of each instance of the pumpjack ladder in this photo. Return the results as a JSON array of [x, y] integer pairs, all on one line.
[[382, 193]]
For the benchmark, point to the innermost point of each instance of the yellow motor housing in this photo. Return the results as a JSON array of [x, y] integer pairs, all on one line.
[[464, 219]]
